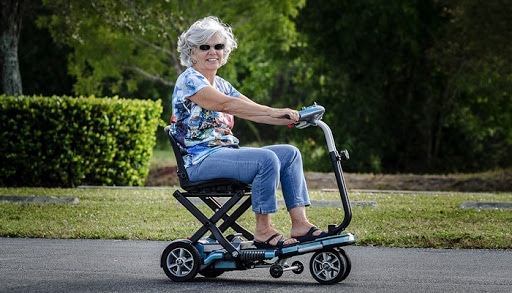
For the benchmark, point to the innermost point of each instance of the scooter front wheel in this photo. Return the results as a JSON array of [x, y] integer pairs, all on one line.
[[328, 266], [348, 263], [180, 261]]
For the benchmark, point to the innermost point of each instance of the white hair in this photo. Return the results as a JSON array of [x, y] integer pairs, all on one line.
[[199, 33]]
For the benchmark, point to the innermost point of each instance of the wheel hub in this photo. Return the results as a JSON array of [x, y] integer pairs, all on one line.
[[180, 261], [327, 266]]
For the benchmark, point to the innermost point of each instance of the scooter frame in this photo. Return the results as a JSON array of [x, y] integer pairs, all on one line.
[[211, 256]]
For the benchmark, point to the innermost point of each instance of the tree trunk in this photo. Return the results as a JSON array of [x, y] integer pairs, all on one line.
[[10, 27]]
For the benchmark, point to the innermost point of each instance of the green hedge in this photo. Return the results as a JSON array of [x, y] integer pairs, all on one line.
[[67, 141]]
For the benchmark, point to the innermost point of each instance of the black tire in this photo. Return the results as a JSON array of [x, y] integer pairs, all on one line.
[[300, 267], [209, 273], [348, 264], [180, 261], [276, 271], [327, 267]]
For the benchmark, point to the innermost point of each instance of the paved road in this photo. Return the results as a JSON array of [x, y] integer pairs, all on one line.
[[42, 265]]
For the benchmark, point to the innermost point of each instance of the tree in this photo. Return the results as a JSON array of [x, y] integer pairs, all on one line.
[[128, 47], [474, 55], [415, 86], [368, 68], [121, 43], [410, 86], [10, 27]]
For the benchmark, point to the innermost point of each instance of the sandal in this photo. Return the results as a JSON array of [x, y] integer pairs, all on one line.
[[310, 237], [267, 245]]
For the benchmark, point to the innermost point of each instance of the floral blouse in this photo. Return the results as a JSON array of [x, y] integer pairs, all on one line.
[[200, 132]]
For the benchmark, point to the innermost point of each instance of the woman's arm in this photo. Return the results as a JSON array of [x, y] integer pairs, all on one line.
[[211, 99]]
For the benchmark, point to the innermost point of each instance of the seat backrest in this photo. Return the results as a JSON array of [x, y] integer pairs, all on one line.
[[181, 172], [185, 183]]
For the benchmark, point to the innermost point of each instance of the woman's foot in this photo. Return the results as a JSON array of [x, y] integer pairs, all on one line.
[[302, 229], [307, 233], [312, 234], [272, 238], [281, 242]]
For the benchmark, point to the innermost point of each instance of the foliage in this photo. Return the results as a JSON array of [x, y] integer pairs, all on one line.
[[409, 86], [65, 141], [43, 62], [122, 43], [128, 47], [473, 55], [414, 86]]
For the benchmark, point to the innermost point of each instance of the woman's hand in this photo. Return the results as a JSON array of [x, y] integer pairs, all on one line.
[[285, 113]]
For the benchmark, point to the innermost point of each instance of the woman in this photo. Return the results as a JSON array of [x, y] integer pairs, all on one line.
[[204, 106]]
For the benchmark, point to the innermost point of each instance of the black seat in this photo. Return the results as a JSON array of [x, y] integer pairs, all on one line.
[[218, 185], [208, 191]]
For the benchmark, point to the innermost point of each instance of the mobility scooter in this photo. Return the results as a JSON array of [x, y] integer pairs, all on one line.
[[212, 255]]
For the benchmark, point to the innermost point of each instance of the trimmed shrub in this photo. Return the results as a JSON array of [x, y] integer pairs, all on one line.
[[66, 141]]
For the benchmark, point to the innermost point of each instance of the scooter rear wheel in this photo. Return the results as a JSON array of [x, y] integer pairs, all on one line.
[[180, 261]]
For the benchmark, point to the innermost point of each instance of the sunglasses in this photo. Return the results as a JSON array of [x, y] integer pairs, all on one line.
[[207, 47]]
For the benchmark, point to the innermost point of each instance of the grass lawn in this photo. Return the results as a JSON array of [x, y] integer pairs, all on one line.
[[398, 220]]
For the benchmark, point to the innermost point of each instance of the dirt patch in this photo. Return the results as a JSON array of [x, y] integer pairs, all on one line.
[[481, 182], [485, 182], [165, 176]]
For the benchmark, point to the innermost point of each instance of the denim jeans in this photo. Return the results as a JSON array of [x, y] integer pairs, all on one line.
[[265, 168]]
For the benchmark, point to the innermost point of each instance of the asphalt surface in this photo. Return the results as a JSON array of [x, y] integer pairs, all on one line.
[[45, 265]]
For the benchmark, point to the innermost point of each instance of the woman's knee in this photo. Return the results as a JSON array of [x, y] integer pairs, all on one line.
[[268, 159], [287, 153], [293, 149]]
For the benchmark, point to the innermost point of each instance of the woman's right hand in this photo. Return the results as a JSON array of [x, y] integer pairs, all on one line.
[[285, 113]]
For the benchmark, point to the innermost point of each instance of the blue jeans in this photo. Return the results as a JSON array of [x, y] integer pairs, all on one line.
[[264, 168]]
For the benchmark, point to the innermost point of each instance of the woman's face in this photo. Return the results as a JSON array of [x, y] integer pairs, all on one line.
[[209, 55]]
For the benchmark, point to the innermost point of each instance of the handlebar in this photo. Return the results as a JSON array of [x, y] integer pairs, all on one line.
[[312, 116], [309, 116]]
